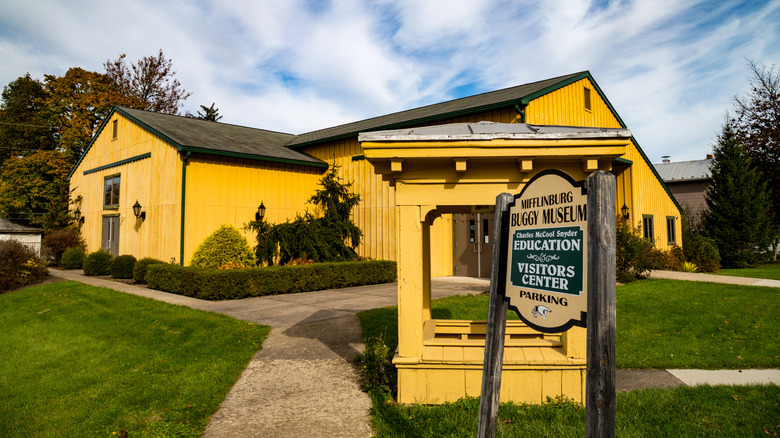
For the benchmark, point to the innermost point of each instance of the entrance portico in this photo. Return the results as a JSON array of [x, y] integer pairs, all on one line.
[[461, 168]]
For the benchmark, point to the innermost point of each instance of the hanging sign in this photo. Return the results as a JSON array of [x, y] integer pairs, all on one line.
[[546, 252]]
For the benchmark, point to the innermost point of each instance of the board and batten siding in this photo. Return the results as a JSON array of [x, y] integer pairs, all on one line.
[[153, 181], [226, 190]]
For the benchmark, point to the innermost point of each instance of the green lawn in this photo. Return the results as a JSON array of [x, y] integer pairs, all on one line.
[[727, 411], [77, 360], [769, 270], [660, 324]]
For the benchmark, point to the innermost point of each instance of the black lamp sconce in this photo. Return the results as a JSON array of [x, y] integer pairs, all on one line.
[[77, 216], [260, 214], [137, 211], [624, 211]]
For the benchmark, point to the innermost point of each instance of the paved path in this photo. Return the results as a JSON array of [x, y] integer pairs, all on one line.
[[303, 381], [712, 278]]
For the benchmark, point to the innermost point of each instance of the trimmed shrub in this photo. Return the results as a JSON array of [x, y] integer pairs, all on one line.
[[224, 246], [216, 284], [73, 258], [19, 266], [97, 263], [122, 266], [56, 242], [139, 270]]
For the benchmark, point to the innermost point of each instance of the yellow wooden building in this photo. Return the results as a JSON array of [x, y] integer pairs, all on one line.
[[190, 176], [427, 177]]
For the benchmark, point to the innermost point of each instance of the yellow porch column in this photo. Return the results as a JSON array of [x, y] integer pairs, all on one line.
[[414, 280]]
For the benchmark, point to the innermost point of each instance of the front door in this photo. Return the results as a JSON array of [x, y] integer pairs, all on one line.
[[473, 244], [111, 234]]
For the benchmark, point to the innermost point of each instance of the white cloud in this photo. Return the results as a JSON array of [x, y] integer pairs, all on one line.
[[669, 67]]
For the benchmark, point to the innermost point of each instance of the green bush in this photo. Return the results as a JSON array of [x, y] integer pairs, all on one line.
[[139, 270], [224, 246], [634, 258], [73, 258], [19, 266], [122, 266], [97, 263], [215, 284], [703, 252], [56, 242], [379, 373]]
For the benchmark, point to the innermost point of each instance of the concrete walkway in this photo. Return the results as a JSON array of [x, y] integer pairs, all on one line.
[[303, 382]]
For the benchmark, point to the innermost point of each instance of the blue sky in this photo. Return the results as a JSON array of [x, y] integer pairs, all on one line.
[[669, 67]]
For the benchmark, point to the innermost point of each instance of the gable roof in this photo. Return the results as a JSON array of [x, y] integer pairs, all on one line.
[[195, 135], [519, 95]]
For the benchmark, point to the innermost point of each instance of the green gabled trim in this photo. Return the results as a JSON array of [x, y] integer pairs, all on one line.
[[250, 156], [655, 172], [358, 157], [118, 163], [624, 161]]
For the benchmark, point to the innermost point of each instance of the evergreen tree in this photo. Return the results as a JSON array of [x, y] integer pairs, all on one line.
[[739, 202], [209, 113]]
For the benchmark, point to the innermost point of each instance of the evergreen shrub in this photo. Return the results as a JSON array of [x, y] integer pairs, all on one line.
[[139, 270], [73, 258], [216, 284], [19, 266], [634, 258], [57, 241], [97, 263], [122, 266], [224, 246]]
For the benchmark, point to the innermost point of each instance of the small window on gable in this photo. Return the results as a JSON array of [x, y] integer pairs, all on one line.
[[671, 231], [647, 227], [116, 129], [587, 99], [111, 192]]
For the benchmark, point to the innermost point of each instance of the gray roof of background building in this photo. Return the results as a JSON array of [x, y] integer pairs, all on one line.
[[493, 130], [696, 170], [446, 110], [11, 227]]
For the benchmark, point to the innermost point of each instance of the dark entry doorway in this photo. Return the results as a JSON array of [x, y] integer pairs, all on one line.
[[473, 244], [110, 240]]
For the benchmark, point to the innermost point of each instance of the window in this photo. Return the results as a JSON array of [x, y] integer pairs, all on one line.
[[587, 99], [647, 227], [671, 231], [116, 129], [111, 191]]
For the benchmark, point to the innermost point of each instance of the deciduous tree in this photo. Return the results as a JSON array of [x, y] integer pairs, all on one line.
[[150, 82], [34, 188], [77, 104], [23, 127], [758, 125]]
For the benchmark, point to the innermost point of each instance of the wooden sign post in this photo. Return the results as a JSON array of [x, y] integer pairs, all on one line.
[[554, 264]]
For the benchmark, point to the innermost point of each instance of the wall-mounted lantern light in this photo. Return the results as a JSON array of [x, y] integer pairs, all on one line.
[[260, 214], [137, 211], [77, 216], [624, 211]]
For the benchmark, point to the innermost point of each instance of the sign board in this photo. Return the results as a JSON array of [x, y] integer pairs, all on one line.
[[546, 252]]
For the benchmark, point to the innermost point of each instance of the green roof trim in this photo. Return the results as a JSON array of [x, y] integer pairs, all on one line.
[[624, 161], [655, 172], [118, 163]]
